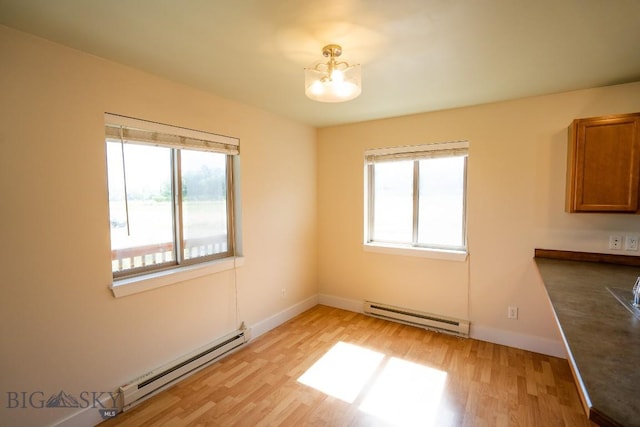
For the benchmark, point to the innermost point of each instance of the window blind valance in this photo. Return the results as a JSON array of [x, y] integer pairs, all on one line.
[[417, 152], [139, 131]]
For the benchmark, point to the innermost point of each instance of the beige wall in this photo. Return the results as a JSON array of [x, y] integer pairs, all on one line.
[[60, 326], [516, 184]]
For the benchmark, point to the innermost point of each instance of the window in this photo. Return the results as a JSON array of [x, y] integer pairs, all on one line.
[[416, 196], [170, 195]]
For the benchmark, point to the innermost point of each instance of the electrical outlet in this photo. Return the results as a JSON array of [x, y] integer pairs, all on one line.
[[631, 243], [615, 241], [512, 312]]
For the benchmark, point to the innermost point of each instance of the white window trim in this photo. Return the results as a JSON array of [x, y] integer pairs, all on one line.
[[410, 151], [403, 250], [137, 284]]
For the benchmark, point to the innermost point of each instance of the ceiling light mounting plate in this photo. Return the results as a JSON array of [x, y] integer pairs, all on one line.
[[332, 50]]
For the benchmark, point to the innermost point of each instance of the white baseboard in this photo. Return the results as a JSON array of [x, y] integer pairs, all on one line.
[[483, 333], [278, 319], [88, 416], [343, 303]]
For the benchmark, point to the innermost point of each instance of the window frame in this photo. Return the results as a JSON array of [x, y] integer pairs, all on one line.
[[177, 139], [414, 153]]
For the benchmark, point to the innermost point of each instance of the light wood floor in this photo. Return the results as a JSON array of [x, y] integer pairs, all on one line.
[[363, 371]]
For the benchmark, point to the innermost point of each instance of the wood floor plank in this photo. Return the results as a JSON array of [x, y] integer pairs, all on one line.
[[466, 382]]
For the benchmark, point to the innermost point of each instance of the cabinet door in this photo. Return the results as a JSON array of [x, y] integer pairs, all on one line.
[[604, 162]]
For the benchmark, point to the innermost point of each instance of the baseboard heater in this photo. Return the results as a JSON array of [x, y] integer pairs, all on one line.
[[159, 379], [416, 318]]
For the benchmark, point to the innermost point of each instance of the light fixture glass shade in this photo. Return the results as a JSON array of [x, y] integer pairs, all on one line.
[[332, 81]]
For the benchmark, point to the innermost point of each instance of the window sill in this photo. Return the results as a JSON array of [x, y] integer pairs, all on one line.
[[135, 285], [443, 254]]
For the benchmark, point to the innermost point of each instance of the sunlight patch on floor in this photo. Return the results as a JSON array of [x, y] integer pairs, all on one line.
[[406, 394], [343, 371], [397, 391]]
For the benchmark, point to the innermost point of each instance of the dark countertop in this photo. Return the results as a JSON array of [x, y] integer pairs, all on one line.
[[602, 336]]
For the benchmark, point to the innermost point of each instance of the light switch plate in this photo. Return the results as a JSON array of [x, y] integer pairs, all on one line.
[[631, 243]]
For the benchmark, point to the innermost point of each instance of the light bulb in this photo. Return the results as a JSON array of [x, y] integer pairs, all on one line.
[[337, 76]]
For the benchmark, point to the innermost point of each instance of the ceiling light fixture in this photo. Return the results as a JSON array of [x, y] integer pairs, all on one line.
[[332, 81]]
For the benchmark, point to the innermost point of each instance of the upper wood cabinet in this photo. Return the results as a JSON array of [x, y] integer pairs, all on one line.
[[603, 170]]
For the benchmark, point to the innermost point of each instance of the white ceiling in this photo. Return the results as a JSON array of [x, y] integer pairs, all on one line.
[[416, 55]]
